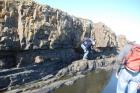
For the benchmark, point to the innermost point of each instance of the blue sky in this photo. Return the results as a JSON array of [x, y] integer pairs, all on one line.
[[122, 16]]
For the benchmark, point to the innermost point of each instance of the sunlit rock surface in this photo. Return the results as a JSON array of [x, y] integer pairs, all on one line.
[[37, 40]]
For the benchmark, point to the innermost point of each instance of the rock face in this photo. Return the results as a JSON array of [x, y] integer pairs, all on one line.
[[34, 35], [28, 25], [121, 41], [104, 36]]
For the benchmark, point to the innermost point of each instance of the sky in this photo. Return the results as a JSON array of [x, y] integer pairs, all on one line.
[[122, 16]]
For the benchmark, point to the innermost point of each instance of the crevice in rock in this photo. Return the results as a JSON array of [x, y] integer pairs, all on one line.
[[7, 60]]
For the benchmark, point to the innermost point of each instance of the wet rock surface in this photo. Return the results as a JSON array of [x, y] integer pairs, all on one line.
[[51, 81]]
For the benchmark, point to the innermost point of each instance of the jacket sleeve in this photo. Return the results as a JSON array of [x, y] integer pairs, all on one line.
[[93, 42], [124, 52]]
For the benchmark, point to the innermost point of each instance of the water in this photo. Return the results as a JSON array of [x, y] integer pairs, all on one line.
[[95, 82], [111, 85]]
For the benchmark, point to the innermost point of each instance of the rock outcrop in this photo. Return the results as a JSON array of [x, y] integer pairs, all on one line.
[[47, 79], [28, 25], [104, 37], [121, 41], [34, 37]]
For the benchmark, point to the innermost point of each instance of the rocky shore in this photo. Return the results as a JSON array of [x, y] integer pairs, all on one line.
[[71, 73], [42, 44]]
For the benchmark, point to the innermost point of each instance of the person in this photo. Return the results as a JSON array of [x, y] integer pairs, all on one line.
[[86, 46], [129, 71]]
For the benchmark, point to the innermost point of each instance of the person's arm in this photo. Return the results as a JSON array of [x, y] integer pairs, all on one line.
[[123, 53], [120, 58], [92, 41]]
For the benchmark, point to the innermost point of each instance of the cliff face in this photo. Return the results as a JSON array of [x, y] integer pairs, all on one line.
[[31, 33], [27, 25], [104, 36]]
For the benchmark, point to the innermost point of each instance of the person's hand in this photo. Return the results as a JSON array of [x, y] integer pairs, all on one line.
[[118, 70], [117, 74]]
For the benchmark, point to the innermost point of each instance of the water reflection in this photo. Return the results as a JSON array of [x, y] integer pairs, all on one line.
[[93, 83], [111, 85]]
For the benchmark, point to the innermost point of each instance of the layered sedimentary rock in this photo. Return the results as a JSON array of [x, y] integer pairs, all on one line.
[[104, 36], [27, 25], [47, 74], [33, 37]]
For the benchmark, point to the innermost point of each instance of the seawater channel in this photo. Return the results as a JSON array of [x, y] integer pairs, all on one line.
[[95, 82]]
